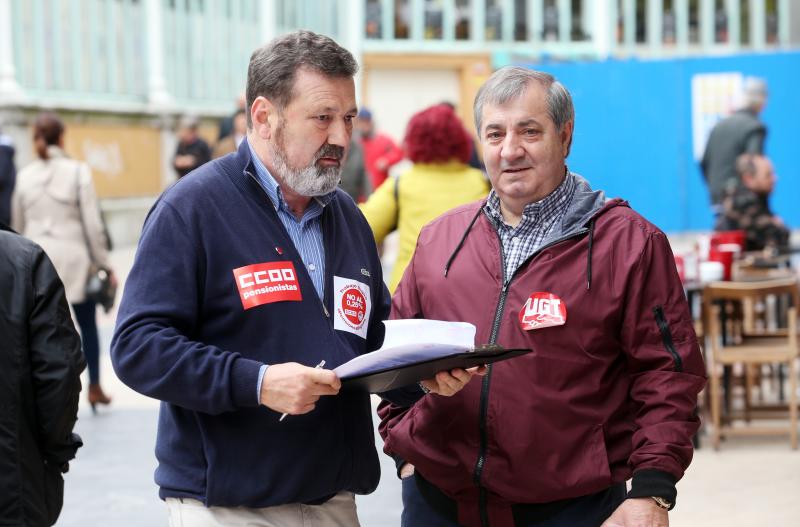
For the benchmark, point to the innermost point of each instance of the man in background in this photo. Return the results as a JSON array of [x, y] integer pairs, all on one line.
[[380, 151], [230, 143], [354, 174], [192, 150], [741, 133], [746, 207]]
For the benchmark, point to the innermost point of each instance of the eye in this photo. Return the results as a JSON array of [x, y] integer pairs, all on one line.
[[349, 119], [323, 118], [530, 132], [493, 136]]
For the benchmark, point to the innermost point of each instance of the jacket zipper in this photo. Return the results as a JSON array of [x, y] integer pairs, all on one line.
[[666, 337], [484, 407]]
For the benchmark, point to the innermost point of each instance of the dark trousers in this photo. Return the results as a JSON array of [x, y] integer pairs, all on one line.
[[586, 511], [86, 313]]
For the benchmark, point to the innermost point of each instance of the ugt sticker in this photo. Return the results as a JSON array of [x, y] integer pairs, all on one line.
[[542, 310], [267, 282], [352, 306]]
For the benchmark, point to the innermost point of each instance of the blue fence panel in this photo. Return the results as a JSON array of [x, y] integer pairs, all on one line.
[[633, 135]]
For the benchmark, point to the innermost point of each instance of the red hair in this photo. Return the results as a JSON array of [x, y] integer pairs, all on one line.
[[436, 135]]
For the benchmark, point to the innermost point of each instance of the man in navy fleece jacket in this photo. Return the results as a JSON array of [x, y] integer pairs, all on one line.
[[250, 271]]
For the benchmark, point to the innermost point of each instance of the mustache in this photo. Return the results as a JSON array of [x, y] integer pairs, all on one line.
[[328, 150]]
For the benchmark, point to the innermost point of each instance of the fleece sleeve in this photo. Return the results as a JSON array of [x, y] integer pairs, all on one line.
[[152, 350]]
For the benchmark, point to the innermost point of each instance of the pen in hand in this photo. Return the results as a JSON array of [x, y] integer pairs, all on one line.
[[320, 365]]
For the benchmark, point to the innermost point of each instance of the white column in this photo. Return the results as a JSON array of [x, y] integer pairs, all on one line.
[[268, 22], [352, 26], [9, 87], [157, 93], [655, 26], [604, 22]]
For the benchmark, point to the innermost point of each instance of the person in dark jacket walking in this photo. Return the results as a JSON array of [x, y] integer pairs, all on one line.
[[741, 133], [192, 150], [610, 390], [249, 274], [40, 367], [8, 177]]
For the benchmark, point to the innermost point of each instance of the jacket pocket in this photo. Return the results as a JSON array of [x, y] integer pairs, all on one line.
[[666, 336]]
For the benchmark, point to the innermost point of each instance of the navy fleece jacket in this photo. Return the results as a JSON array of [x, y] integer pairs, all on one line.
[[217, 289]]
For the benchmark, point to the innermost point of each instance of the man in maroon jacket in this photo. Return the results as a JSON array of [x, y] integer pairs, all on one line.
[[547, 263]]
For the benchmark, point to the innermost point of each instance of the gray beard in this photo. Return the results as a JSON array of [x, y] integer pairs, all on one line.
[[307, 181]]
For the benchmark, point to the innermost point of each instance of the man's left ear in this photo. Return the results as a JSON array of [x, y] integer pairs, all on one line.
[[263, 116], [566, 138]]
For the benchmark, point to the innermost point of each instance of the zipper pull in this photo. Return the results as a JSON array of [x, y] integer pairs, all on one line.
[[325, 309]]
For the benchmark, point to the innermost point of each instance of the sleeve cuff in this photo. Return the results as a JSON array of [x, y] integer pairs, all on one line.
[[261, 373], [650, 482], [245, 375], [398, 463]]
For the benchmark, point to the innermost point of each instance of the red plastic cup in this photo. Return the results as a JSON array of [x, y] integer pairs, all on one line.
[[723, 237], [723, 257]]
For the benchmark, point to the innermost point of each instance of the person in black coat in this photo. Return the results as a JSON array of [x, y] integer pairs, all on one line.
[[8, 177], [40, 367]]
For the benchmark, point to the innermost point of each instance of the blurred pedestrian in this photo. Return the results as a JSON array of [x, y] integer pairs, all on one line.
[[440, 179], [248, 275], [547, 263], [8, 177], [380, 152], [741, 133], [746, 207], [192, 151], [354, 174], [226, 127], [230, 143], [474, 158], [55, 205], [40, 380]]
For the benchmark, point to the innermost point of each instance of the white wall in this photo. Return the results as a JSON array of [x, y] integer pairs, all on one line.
[[394, 95]]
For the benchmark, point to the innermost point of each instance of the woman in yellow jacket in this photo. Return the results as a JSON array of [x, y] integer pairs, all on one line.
[[440, 179]]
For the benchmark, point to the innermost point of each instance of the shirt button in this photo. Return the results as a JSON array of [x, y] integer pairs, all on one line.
[[515, 240], [312, 267]]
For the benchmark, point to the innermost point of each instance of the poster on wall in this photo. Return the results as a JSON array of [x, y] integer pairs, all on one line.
[[714, 96]]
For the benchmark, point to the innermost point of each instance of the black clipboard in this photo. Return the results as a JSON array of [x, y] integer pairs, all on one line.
[[385, 379]]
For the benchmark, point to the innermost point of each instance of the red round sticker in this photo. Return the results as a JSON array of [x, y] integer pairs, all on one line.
[[542, 310], [354, 306]]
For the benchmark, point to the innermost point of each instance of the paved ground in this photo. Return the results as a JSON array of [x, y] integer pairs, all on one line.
[[750, 481]]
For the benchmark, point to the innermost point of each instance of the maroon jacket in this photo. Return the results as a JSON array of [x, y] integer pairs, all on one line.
[[610, 393]]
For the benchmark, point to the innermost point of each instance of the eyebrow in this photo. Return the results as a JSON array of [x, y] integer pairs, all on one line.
[[518, 124], [528, 122], [331, 109]]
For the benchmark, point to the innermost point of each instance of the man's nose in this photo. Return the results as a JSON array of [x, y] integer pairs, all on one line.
[[339, 134], [511, 148]]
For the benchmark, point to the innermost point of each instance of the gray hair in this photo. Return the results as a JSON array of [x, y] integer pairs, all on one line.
[[746, 164], [510, 82], [755, 93], [272, 68]]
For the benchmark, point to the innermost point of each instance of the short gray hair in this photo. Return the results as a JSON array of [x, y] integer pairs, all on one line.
[[755, 93], [510, 82], [272, 68]]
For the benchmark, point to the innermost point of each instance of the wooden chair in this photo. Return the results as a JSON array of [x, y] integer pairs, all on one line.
[[737, 343]]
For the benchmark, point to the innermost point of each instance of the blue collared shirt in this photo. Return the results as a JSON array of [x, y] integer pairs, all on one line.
[[305, 233]]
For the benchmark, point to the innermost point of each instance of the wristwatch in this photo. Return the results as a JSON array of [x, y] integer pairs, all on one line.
[[662, 503]]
